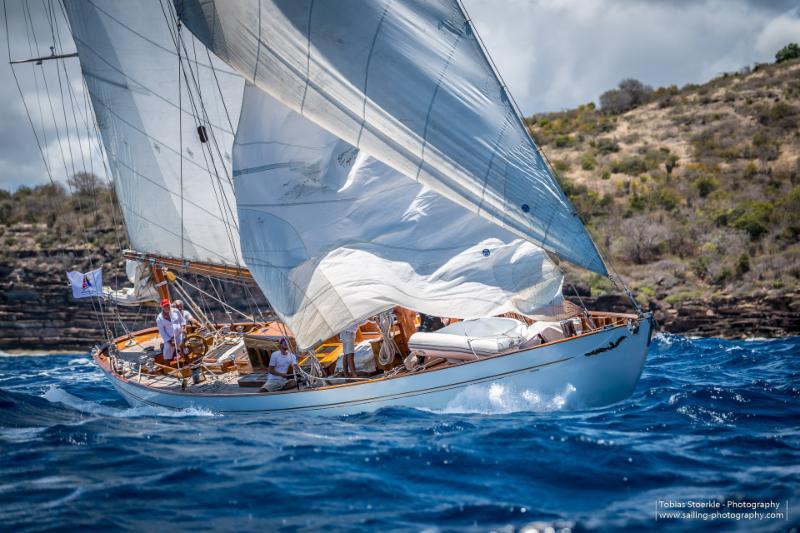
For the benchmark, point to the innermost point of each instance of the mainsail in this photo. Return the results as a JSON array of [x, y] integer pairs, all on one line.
[[152, 106], [333, 235], [408, 82]]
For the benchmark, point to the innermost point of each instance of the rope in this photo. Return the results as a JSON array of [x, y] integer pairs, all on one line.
[[389, 347], [201, 291]]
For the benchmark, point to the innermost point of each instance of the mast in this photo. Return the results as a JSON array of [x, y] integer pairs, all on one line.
[[160, 282]]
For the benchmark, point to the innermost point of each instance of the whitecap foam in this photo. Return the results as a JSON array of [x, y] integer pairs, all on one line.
[[499, 398], [34, 353], [55, 394]]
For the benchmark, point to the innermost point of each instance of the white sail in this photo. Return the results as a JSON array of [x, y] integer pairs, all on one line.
[[175, 191], [408, 82], [332, 235]]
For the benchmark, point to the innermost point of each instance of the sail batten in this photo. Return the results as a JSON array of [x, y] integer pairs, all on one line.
[[149, 98], [408, 82]]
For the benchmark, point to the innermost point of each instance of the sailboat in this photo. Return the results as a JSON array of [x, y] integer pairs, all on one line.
[[360, 163]]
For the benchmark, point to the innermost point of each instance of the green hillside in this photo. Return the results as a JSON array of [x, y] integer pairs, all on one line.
[[691, 193]]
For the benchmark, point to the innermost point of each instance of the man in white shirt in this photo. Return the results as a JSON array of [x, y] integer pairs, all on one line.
[[279, 363], [169, 323]]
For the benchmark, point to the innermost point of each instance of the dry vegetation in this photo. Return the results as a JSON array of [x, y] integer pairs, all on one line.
[[49, 218], [691, 192]]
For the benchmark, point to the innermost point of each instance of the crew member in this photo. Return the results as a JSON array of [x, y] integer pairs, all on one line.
[[348, 338], [169, 323], [279, 363], [186, 316]]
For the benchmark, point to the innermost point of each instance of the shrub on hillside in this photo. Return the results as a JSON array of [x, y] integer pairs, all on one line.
[[665, 198], [561, 166], [605, 146], [781, 115], [629, 94], [631, 165], [562, 141], [790, 51], [753, 217], [705, 185], [642, 239], [587, 161]]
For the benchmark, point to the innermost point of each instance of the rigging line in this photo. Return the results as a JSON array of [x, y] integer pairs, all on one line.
[[29, 20], [167, 14], [115, 207], [33, 128], [218, 300], [73, 104], [180, 133], [24, 102], [143, 37], [223, 203], [195, 80], [219, 89], [517, 111], [150, 90], [96, 306], [204, 301]]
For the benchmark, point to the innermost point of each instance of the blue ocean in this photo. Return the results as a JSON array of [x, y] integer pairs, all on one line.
[[711, 421]]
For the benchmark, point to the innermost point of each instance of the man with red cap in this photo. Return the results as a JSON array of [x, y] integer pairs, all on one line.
[[169, 323]]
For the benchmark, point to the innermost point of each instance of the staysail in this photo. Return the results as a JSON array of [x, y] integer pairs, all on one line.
[[408, 82], [167, 124], [333, 235]]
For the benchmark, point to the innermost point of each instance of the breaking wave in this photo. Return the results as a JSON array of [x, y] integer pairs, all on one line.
[[55, 394], [499, 398]]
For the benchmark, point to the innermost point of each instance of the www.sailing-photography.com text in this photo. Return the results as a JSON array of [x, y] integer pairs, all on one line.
[[710, 510]]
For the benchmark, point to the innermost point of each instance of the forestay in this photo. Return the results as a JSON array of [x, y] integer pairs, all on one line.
[[332, 235], [408, 82], [175, 191]]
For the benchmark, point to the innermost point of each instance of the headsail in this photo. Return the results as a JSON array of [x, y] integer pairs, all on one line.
[[332, 235], [174, 189], [408, 82]]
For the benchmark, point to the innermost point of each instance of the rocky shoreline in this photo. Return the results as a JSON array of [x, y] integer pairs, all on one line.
[[764, 314], [37, 312]]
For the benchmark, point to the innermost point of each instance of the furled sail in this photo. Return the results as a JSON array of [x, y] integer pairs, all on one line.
[[174, 186], [333, 235], [408, 82], [142, 291]]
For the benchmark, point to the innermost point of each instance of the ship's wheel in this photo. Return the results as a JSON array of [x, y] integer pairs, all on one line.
[[195, 345]]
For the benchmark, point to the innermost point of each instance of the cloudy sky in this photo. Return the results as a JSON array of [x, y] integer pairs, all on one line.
[[553, 54]]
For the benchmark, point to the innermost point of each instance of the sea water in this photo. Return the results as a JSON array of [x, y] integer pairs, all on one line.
[[711, 422]]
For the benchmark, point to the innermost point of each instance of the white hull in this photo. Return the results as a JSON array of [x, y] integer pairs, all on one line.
[[607, 376]]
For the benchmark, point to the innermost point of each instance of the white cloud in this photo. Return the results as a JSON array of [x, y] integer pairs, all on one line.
[[557, 54], [778, 33]]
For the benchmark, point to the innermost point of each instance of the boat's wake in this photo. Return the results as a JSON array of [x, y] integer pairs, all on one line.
[[55, 394], [497, 398]]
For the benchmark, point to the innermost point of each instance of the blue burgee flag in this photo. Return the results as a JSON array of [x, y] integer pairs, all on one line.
[[86, 285]]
